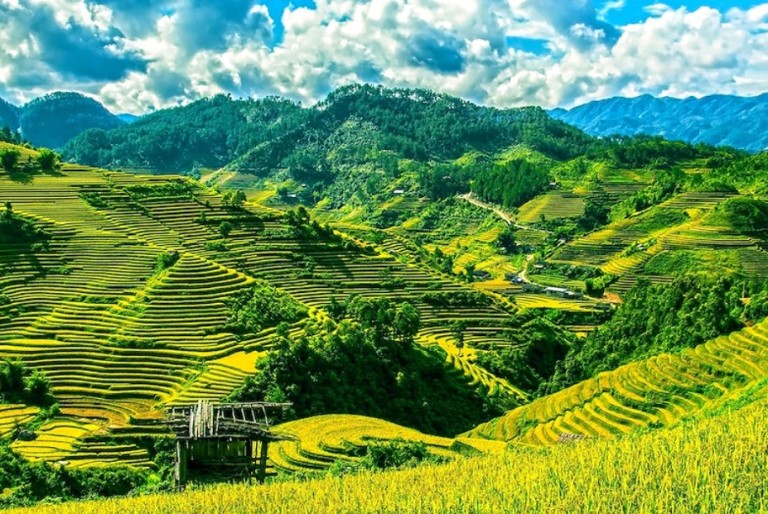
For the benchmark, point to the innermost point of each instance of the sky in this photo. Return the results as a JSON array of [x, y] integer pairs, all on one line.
[[136, 56]]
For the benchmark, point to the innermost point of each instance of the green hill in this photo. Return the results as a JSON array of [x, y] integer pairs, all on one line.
[[388, 258]]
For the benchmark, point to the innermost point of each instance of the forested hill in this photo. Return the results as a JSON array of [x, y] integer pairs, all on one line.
[[9, 115], [264, 135], [52, 120], [208, 133], [717, 120]]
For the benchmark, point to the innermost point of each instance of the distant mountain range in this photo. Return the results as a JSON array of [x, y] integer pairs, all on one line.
[[52, 120], [740, 122], [717, 120]]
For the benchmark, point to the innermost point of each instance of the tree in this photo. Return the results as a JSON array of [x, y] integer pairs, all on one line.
[[595, 215], [507, 239], [225, 228], [457, 331], [407, 322], [48, 160], [9, 158], [238, 199]]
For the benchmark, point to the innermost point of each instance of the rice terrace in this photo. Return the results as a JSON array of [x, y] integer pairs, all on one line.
[[383, 256]]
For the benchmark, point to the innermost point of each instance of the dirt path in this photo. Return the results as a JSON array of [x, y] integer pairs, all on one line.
[[500, 213]]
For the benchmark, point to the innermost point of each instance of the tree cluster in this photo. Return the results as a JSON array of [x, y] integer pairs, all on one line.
[[366, 363]]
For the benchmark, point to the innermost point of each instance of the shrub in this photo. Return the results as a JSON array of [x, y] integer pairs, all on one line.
[[19, 384], [262, 306], [48, 160], [9, 158], [225, 228]]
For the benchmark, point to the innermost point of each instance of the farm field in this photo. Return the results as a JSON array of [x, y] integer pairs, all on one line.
[[675, 468], [120, 339], [658, 391]]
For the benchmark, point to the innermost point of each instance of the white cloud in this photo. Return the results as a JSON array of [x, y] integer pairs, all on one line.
[[192, 48]]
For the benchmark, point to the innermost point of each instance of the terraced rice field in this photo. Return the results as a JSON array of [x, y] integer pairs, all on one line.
[[119, 339], [321, 441], [553, 205], [660, 390]]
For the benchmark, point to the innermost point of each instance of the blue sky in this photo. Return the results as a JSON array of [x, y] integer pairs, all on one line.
[[140, 55], [634, 11]]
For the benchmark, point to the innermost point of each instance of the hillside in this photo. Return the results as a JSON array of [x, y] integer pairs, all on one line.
[[52, 120], [676, 469], [716, 120], [9, 115], [353, 124], [397, 285], [120, 337]]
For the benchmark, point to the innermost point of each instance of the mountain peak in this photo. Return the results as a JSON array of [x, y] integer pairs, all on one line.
[[715, 120]]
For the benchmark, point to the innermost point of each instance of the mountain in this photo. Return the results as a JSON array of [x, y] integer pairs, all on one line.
[[262, 136], [9, 115], [54, 119], [208, 133], [127, 117], [716, 120]]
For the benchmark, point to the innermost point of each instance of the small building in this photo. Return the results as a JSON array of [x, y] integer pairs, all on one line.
[[560, 292], [235, 436], [398, 192]]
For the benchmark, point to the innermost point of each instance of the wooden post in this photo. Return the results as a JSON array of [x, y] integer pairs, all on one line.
[[263, 460], [180, 471]]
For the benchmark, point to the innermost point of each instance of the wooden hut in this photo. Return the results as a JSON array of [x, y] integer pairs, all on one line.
[[233, 435]]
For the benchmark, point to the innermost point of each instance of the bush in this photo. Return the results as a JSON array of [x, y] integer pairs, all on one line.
[[397, 453], [48, 160], [166, 260], [225, 228], [19, 384], [9, 158], [262, 306]]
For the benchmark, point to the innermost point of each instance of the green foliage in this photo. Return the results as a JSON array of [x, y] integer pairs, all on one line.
[[94, 200], [173, 188], [595, 215], [510, 184], [457, 299], [225, 228], [17, 230], [507, 239], [47, 159], [366, 364], [166, 260], [234, 200], [743, 214], [663, 318], [667, 182], [396, 453], [596, 286], [25, 483], [208, 133], [641, 151], [531, 359], [19, 384], [9, 158], [56, 118], [262, 306]]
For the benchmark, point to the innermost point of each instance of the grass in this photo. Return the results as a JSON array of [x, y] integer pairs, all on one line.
[[710, 464]]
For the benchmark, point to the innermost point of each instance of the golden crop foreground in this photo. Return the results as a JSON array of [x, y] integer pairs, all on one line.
[[713, 465]]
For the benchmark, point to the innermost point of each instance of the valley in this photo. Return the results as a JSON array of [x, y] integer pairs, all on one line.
[[450, 300]]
